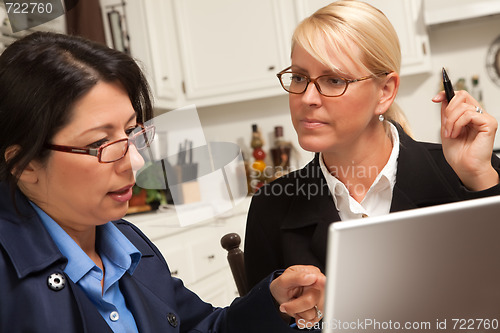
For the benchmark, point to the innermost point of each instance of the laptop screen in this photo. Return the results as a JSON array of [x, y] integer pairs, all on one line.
[[434, 269]]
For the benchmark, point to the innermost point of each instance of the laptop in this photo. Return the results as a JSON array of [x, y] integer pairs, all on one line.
[[434, 269]]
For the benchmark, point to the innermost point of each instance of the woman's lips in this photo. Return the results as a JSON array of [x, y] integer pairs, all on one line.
[[122, 195], [312, 123]]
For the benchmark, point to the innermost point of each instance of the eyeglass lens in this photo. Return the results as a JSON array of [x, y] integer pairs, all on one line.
[[114, 151], [328, 85], [140, 138]]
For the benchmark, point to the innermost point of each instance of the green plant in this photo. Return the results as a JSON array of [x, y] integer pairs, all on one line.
[[156, 196], [152, 178]]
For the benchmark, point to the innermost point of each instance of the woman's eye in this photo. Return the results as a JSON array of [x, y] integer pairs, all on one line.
[[97, 144], [130, 130], [334, 81], [297, 78]]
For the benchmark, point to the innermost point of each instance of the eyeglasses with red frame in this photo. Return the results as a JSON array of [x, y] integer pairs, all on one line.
[[141, 137]]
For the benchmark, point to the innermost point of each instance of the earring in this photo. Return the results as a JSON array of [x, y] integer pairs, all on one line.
[[381, 117]]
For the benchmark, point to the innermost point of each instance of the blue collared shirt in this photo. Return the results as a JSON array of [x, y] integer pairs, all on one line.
[[118, 256]]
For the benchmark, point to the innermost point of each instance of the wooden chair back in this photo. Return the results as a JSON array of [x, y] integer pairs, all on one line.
[[236, 258]]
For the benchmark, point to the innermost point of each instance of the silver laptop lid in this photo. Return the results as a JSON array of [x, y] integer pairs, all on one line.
[[434, 269]]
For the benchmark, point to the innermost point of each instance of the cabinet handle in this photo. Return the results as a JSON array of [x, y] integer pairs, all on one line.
[[211, 257], [165, 78], [174, 273], [271, 68]]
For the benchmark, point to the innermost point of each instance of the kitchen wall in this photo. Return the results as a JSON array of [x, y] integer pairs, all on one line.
[[459, 46]]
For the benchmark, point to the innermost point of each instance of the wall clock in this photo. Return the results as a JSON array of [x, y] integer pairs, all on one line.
[[493, 61]]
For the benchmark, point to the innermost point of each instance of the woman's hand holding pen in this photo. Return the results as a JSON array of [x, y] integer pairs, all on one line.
[[468, 135], [300, 292]]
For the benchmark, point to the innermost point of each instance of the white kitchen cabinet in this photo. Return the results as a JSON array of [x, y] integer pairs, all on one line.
[[231, 46], [407, 18], [162, 66], [444, 11], [210, 52], [194, 253], [153, 43], [213, 52]]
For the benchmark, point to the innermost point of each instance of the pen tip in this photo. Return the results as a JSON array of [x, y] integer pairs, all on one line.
[[445, 75]]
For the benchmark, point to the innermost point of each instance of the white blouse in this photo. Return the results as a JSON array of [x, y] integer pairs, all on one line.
[[377, 200]]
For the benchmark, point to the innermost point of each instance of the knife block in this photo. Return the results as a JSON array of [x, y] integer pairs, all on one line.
[[187, 189]]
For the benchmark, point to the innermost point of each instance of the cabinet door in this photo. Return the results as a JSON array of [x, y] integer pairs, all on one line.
[[166, 78], [443, 11], [231, 46], [407, 18], [151, 34], [153, 42]]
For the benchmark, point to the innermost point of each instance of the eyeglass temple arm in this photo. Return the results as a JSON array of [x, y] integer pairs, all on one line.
[[75, 150], [283, 71], [367, 77]]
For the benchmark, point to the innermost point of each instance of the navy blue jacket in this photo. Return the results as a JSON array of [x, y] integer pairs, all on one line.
[[159, 302]]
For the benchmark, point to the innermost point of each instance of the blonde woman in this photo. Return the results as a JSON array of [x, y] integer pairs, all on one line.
[[342, 82]]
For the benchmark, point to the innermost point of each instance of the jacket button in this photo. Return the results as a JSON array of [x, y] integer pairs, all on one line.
[[172, 319], [56, 281], [114, 316]]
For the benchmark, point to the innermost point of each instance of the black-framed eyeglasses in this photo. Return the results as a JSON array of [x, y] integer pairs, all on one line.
[[327, 85], [141, 137]]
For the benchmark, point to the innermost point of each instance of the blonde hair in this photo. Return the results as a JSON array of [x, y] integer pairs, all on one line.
[[333, 29]]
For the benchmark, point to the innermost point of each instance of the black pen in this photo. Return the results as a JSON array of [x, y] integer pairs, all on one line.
[[448, 88]]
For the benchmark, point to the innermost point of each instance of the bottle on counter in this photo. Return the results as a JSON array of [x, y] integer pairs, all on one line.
[[280, 152], [258, 172]]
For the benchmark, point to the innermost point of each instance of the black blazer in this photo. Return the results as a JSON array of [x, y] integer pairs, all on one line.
[[288, 219]]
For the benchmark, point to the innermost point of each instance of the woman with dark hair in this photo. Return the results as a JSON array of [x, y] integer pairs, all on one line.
[[72, 115]]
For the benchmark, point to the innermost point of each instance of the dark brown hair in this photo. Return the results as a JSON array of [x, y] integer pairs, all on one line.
[[41, 77]]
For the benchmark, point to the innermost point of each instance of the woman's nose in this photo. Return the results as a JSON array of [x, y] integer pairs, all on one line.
[[132, 161], [311, 96], [136, 160]]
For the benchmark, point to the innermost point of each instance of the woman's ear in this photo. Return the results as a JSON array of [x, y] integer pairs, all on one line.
[[29, 174], [388, 92]]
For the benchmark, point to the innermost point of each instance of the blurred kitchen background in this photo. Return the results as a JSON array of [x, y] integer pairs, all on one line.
[[222, 56]]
